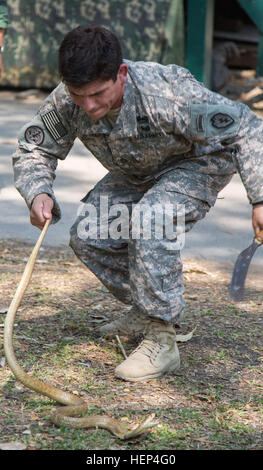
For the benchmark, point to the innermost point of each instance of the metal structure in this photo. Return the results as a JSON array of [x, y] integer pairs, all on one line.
[[200, 25]]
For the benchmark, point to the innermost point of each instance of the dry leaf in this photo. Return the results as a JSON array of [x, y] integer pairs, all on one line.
[[184, 338]]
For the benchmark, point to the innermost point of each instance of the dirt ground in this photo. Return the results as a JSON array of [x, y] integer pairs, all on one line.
[[214, 401]]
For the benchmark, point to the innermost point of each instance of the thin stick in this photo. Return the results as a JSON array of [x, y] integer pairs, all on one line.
[[121, 347]]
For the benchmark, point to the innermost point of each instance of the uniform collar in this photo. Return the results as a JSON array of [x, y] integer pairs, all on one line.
[[126, 123]]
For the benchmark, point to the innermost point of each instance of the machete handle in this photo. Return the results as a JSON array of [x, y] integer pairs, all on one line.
[[259, 237]]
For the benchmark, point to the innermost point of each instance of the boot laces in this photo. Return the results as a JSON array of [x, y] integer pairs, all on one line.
[[149, 347]]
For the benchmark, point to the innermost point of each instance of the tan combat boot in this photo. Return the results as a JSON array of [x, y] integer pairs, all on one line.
[[156, 354], [132, 324]]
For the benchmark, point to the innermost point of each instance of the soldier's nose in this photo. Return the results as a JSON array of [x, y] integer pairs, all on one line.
[[89, 105]]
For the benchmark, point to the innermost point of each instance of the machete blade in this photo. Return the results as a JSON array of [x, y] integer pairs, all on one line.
[[236, 288]]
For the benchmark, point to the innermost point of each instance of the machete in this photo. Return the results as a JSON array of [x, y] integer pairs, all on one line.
[[236, 288]]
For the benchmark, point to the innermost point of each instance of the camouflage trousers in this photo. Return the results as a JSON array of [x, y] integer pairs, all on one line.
[[145, 271]]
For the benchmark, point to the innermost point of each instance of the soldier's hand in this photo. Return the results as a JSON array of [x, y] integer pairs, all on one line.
[[41, 210], [257, 218]]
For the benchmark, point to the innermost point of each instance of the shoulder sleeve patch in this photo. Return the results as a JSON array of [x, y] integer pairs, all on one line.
[[214, 120], [54, 124], [34, 135]]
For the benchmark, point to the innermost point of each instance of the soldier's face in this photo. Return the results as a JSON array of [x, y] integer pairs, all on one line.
[[98, 97]]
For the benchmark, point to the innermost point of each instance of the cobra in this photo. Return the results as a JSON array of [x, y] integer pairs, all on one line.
[[74, 406]]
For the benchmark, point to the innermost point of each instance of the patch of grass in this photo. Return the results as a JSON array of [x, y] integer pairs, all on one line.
[[257, 400], [170, 438], [213, 401]]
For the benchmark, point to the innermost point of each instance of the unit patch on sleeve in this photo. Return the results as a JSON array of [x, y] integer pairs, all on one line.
[[214, 120], [221, 121], [34, 135], [54, 124]]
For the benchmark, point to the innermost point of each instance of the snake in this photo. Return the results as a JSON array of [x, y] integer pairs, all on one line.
[[75, 409]]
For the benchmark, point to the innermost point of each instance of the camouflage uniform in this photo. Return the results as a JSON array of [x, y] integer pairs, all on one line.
[[174, 142]]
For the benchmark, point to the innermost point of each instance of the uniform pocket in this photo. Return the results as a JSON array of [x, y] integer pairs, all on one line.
[[198, 188], [169, 282]]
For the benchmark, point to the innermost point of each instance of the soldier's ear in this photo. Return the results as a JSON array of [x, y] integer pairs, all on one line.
[[122, 73]]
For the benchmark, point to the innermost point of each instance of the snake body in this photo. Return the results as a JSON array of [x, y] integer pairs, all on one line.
[[74, 406]]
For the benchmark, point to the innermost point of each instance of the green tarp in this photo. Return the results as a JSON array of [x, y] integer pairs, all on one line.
[[151, 30]]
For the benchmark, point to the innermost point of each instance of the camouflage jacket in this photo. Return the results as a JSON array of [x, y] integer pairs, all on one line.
[[167, 120]]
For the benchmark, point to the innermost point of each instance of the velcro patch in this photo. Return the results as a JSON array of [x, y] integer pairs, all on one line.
[[54, 124], [34, 135], [214, 120], [221, 121]]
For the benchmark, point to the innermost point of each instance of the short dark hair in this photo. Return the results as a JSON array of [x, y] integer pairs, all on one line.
[[89, 53]]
